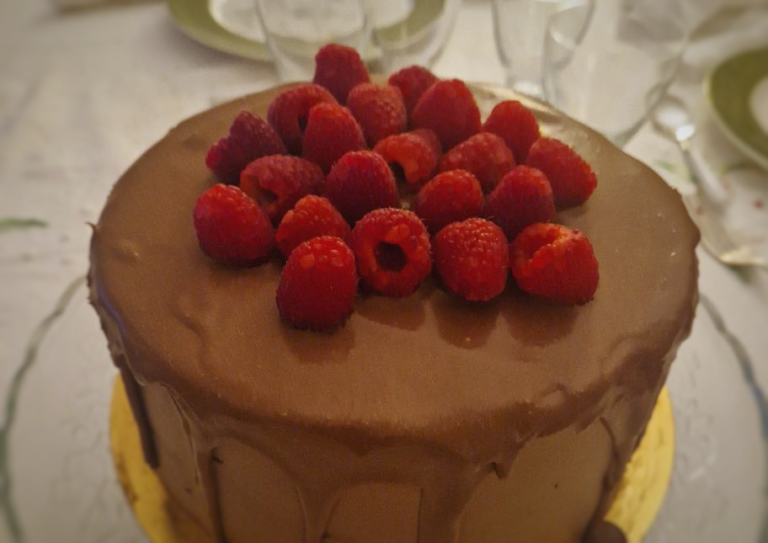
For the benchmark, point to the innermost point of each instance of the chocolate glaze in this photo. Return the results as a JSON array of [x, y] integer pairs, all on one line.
[[605, 532], [139, 411], [430, 391]]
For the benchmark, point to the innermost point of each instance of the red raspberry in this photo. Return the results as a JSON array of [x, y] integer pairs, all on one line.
[[392, 251], [472, 259], [231, 228], [312, 217], [360, 182], [555, 262], [249, 138], [572, 179], [288, 112], [379, 109], [431, 138], [448, 108], [331, 132], [277, 182], [339, 68], [412, 156], [318, 284], [523, 197], [412, 82], [516, 125], [449, 197], [485, 155]]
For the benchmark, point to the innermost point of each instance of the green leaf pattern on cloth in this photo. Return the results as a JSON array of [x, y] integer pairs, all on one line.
[[14, 223]]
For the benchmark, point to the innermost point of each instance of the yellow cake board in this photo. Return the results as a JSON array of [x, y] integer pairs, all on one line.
[[639, 498]]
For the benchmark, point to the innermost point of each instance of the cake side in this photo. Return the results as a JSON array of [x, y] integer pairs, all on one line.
[[426, 381]]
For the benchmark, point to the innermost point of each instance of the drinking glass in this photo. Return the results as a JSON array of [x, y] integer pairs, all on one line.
[[297, 29], [608, 62], [411, 32], [519, 27]]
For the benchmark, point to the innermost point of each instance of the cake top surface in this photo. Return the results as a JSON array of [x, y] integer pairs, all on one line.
[[426, 365]]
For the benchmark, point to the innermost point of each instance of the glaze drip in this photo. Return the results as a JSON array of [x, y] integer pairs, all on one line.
[[135, 400]]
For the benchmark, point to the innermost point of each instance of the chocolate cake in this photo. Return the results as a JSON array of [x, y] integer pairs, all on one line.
[[425, 419]]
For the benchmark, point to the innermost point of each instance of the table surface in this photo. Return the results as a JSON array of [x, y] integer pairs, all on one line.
[[84, 93]]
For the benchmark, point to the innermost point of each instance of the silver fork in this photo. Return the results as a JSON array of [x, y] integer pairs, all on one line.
[[671, 118]]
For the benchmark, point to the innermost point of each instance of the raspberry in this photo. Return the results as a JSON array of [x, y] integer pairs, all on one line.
[[312, 217], [523, 197], [360, 182], [572, 179], [379, 109], [231, 228], [318, 284], [331, 132], [448, 108], [555, 262], [431, 138], [277, 182], [485, 155], [412, 82], [449, 197], [472, 259], [339, 68], [249, 138], [516, 125], [412, 156], [289, 110], [392, 251]]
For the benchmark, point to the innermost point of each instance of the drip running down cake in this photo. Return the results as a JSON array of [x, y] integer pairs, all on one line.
[[429, 402]]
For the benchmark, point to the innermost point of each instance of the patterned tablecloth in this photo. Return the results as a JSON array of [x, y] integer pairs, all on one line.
[[83, 93]]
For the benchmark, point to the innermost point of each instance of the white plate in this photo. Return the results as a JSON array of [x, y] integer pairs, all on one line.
[[63, 486], [233, 26]]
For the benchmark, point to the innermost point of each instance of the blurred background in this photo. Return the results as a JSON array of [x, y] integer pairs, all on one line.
[[87, 85]]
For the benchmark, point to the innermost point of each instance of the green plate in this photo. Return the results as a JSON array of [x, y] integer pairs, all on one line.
[[203, 21], [195, 18], [730, 88]]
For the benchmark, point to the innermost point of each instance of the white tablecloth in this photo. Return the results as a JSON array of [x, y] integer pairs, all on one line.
[[84, 93]]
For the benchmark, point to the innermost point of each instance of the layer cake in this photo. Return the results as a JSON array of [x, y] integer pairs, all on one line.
[[427, 419]]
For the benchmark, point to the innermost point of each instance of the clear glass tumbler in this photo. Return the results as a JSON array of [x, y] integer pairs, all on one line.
[[519, 27], [297, 29], [411, 32], [607, 63]]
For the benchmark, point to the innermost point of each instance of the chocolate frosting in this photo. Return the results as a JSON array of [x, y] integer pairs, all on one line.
[[476, 380], [605, 532]]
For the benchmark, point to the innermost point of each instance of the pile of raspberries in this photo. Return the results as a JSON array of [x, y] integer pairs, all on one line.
[[322, 180]]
